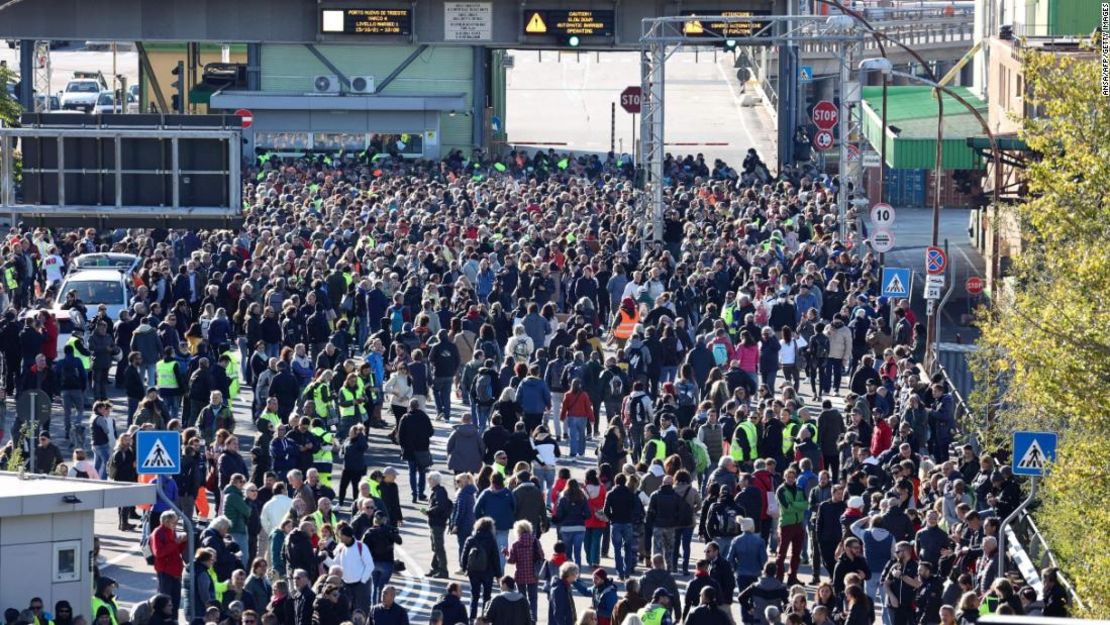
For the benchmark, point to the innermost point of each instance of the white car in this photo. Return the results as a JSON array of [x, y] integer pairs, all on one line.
[[106, 101], [94, 287], [102, 260], [80, 95]]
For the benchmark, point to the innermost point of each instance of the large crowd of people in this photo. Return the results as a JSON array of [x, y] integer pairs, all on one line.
[[682, 427]]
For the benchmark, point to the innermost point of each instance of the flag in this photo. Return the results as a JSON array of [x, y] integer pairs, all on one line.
[[499, 166], [477, 177], [563, 164], [378, 157], [327, 160], [261, 175]]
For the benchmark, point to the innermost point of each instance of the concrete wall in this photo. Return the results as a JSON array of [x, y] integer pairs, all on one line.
[[437, 71], [26, 566]]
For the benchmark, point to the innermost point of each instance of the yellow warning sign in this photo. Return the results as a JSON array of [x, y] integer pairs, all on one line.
[[694, 28], [535, 25]]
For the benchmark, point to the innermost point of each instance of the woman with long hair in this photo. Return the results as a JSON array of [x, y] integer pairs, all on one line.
[[597, 523]]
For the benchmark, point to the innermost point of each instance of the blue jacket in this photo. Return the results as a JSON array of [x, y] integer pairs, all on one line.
[[497, 505], [747, 555], [560, 605], [377, 366], [169, 488], [533, 396], [462, 517]]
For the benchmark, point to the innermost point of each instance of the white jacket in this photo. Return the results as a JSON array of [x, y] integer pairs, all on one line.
[[399, 390], [273, 512], [356, 561]]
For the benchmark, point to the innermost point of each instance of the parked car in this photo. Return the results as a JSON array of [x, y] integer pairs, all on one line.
[[108, 286], [81, 95], [105, 103]]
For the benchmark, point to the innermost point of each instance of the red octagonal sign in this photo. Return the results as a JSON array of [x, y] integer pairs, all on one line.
[[630, 99], [825, 115]]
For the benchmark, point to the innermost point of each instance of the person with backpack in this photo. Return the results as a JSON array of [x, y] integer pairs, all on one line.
[[484, 393], [482, 562], [636, 412], [691, 503], [553, 375], [73, 380], [614, 386], [667, 511], [686, 394]]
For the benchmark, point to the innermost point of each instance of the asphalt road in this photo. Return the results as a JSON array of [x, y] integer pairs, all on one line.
[[567, 98]]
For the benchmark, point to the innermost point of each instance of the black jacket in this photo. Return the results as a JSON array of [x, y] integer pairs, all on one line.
[[663, 508], [414, 433], [302, 606], [486, 541], [380, 540], [298, 554], [623, 506], [507, 608], [439, 508], [453, 610], [519, 449]]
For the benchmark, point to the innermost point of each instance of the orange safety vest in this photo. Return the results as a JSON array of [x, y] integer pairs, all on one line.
[[627, 325]]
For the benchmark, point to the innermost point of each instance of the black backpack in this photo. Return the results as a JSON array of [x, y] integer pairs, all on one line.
[[477, 562], [685, 511], [819, 347], [71, 375]]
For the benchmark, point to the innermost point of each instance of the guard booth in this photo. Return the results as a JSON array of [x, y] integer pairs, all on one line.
[[46, 535]]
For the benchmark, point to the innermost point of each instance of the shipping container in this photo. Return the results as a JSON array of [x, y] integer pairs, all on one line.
[[905, 188]]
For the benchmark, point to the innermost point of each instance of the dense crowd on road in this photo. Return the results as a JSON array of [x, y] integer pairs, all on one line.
[[701, 419]]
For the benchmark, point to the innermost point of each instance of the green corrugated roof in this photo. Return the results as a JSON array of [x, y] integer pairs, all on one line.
[[912, 113]]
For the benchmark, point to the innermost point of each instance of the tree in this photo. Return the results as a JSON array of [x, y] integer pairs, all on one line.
[[9, 107], [1047, 338]]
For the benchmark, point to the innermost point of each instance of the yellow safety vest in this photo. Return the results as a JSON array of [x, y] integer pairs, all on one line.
[[233, 374], [627, 325], [500, 468], [748, 429], [12, 283], [272, 417], [347, 395], [788, 433], [165, 374], [653, 615], [375, 488], [318, 517], [97, 603], [727, 316], [323, 455], [85, 360], [217, 586], [660, 451]]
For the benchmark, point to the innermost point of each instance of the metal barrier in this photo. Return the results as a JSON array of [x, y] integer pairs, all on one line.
[[1025, 543]]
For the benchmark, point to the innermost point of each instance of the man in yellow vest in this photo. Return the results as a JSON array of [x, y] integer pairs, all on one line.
[[105, 597], [745, 443], [324, 514], [170, 382], [368, 385], [789, 431], [654, 447], [352, 403], [270, 413], [322, 458], [658, 612], [229, 360]]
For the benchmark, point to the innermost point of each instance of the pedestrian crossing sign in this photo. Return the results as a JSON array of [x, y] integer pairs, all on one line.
[[158, 452], [896, 282], [1033, 451]]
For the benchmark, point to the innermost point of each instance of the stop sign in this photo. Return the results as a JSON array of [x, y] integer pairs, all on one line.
[[974, 285], [246, 115], [825, 115], [630, 99]]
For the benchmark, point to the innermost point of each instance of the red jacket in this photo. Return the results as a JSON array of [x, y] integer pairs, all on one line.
[[50, 334], [577, 405], [765, 482], [882, 437], [167, 552], [595, 504]]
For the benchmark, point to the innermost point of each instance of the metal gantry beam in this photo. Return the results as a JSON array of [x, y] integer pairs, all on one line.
[[663, 36]]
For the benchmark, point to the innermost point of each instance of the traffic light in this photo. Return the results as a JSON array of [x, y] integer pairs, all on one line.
[[178, 85], [572, 41], [729, 44]]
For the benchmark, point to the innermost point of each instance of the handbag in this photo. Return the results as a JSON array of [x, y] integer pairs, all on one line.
[[423, 459]]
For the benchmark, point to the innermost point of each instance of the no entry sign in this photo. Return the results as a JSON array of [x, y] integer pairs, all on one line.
[[246, 115]]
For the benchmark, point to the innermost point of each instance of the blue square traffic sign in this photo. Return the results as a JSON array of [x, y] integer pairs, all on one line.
[[158, 452], [1032, 452], [896, 282]]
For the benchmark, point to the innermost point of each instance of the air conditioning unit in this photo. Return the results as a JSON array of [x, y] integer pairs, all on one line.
[[325, 83], [362, 84]]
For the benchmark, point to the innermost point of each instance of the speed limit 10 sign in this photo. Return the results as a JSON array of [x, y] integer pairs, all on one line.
[[882, 215]]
